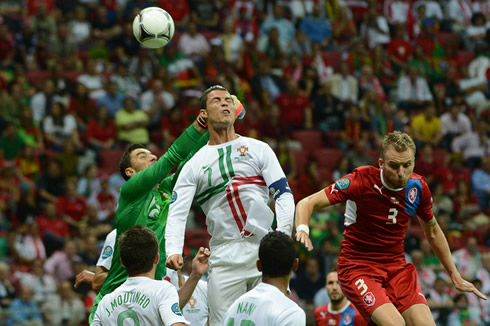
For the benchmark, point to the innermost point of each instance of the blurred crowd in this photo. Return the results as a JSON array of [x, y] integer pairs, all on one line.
[[322, 81]]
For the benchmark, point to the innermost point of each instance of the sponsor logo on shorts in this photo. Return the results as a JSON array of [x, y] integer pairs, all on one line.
[[176, 309], [369, 299], [342, 184], [107, 252], [174, 197], [412, 195]]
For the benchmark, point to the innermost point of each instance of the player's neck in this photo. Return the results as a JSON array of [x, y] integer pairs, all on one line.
[[279, 282], [150, 274], [339, 306], [219, 136]]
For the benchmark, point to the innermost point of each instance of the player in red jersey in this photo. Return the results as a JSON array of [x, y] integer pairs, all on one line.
[[339, 312], [372, 269]]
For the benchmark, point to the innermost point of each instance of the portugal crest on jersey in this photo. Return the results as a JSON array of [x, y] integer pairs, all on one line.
[[412, 195]]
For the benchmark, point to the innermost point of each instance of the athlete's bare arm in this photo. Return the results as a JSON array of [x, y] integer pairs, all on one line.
[[99, 278], [199, 267], [95, 279], [304, 209], [439, 244]]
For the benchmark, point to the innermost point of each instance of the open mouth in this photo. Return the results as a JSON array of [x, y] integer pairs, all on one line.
[[226, 111]]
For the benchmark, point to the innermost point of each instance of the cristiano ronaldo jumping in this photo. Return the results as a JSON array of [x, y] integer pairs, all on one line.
[[231, 178]]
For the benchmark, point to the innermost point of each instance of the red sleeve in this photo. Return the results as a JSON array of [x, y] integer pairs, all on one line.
[[359, 320], [345, 188], [424, 211]]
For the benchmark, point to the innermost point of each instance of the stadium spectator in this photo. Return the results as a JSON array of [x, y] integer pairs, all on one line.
[[7, 287], [101, 131], [413, 91], [93, 80], [205, 14], [426, 127], [131, 124], [374, 29], [344, 85], [425, 275], [439, 301], [459, 13], [308, 280], [23, 310], [42, 284], [449, 175], [80, 27], [193, 44], [156, 103], [60, 264], [327, 110], [59, 127], [480, 179], [454, 123], [468, 258], [71, 206], [317, 27], [278, 21], [295, 107], [474, 145], [11, 143], [64, 308]]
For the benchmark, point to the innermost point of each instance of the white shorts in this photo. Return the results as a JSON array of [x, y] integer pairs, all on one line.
[[232, 272]]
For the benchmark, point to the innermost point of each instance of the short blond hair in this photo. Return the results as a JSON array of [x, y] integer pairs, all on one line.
[[400, 142]]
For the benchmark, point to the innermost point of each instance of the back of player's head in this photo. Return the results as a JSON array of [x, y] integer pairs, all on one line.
[[204, 98], [125, 161], [400, 141], [138, 248], [277, 254]]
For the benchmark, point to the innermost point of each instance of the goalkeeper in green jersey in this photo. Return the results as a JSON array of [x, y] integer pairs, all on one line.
[[145, 197]]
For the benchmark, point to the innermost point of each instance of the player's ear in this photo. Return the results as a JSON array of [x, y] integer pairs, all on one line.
[[380, 162], [204, 113], [122, 262], [157, 259], [129, 171], [295, 265], [259, 265]]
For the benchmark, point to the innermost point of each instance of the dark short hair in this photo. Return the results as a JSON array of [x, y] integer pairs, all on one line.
[[204, 98], [138, 247], [125, 161], [277, 254]]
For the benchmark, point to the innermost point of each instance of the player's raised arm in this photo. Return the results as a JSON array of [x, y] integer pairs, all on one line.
[[439, 244], [304, 209], [180, 204]]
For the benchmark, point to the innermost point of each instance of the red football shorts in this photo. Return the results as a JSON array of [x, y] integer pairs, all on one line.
[[370, 286]]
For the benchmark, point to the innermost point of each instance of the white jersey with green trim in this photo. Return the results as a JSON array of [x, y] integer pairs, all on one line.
[[141, 301], [230, 181], [105, 258], [264, 305]]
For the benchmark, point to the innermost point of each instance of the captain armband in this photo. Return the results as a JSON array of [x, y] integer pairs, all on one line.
[[279, 187]]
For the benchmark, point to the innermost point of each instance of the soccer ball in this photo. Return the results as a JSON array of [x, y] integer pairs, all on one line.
[[153, 27]]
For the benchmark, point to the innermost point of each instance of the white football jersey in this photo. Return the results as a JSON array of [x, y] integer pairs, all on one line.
[[264, 305], [229, 181], [105, 258], [140, 301], [196, 310]]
